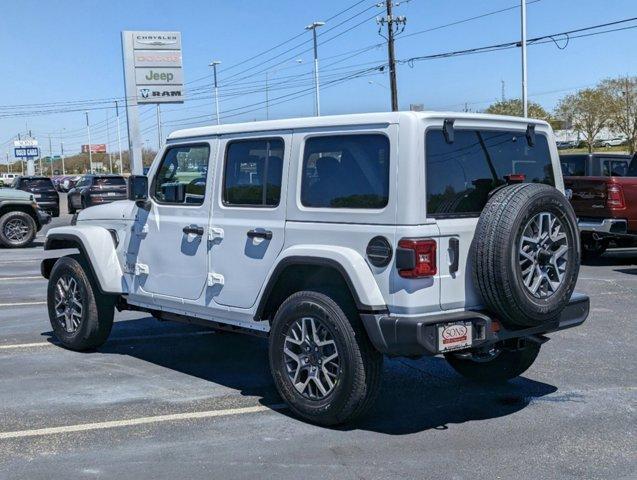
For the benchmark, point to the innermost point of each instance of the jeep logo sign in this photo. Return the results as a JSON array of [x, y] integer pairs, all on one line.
[[158, 76]]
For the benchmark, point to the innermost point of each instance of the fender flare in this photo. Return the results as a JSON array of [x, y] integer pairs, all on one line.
[[347, 261], [96, 245]]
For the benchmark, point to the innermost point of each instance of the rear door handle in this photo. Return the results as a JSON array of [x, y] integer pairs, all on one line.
[[265, 234], [193, 230], [454, 247]]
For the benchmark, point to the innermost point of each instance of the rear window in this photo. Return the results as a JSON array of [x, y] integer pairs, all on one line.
[[36, 183], [573, 165], [462, 174], [110, 182], [346, 171]]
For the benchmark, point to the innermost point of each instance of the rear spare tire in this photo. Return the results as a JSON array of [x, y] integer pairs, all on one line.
[[526, 254]]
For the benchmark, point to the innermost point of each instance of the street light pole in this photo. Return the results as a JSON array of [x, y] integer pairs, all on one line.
[[90, 153], [317, 98], [525, 100], [214, 64], [159, 132], [119, 139]]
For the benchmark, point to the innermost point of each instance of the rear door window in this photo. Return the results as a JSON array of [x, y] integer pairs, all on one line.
[[462, 174], [346, 171], [253, 173]]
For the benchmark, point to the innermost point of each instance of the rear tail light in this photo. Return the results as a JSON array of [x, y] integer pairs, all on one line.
[[615, 199], [416, 257]]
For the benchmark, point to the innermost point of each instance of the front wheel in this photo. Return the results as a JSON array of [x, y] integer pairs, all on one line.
[[17, 229], [495, 365], [81, 318], [323, 364]]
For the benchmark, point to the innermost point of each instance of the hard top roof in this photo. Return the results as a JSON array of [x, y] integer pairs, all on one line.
[[337, 120]]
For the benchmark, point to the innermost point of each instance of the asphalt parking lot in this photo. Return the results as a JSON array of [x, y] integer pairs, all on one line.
[[164, 400]]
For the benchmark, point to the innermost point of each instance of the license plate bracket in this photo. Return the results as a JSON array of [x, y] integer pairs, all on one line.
[[455, 336]]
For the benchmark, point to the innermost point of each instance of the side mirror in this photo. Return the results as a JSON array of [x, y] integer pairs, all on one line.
[[138, 188], [174, 192]]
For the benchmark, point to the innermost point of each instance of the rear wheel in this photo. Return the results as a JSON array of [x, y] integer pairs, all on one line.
[[323, 364], [17, 229], [495, 365], [80, 317]]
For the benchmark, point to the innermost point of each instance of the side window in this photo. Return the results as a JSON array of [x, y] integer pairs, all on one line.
[[461, 175], [186, 165], [252, 175], [615, 168], [346, 171]]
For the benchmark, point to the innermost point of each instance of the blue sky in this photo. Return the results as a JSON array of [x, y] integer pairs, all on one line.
[[69, 50]]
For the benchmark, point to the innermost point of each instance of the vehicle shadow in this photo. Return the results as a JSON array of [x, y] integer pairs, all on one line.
[[415, 395], [614, 258]]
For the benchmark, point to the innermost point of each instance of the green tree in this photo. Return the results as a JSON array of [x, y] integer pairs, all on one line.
[[588, 111], [623, 107], [513, 107]]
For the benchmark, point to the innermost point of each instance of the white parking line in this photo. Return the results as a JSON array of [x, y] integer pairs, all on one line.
[[84, 427], [21, 304], [13, 279], [15, 346]]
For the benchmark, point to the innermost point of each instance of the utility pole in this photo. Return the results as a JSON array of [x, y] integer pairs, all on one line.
[[119, 138], [90, 153], [267, 98], [393, 23], [317, 97], [50, 155], [525, 100], [62, 156], [108, 142], [8, 164], [159, 133], [214, 64], [503, 95]]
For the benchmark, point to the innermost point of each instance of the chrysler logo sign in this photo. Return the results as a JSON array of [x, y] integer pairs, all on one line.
[[157, 41]]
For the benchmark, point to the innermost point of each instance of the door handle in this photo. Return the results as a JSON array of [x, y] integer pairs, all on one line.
[[193, 230], [454, 247], [265, 234]]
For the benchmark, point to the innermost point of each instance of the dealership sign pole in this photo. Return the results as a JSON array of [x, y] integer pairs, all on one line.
[[152, 75]]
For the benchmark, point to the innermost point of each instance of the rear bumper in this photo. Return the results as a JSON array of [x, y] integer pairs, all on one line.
[[603, 225], [408, 336]]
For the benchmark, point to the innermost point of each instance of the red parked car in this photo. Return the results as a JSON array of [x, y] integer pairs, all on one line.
[[606, 208]]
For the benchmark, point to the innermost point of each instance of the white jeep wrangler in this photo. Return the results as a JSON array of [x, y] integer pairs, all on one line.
[[340, 238]]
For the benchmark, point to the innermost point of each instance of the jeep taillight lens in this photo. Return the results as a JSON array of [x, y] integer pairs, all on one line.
[[615, 199], [418, 258]]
